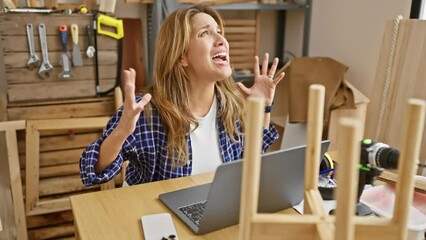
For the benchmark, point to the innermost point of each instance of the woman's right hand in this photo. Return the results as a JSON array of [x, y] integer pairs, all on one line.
[[132, 109]]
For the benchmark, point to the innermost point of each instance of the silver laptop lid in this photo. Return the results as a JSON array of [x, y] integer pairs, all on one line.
[[281, 186]]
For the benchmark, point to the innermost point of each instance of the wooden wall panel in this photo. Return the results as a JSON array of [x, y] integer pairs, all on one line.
[[27, 96], [406, 80], [24, 83], [242, 37]]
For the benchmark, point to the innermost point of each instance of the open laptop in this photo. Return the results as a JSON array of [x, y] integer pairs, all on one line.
[[209, 207]]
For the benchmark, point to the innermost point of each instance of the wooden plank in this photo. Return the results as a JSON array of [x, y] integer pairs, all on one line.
[[411, 137], [19, 43], [239, 22], [406, 81], [240, 29], [10, 129], [32, 167], [53, 232], [236, 37], [61, 101], [53, 158], [50, 124], [391, 177], [49, 219], [249, 52], [208, 1], [258, 30], [5, 191], [55, 143], [67, 132], [50, 206], [77, 110], [242, 44], [58, 185], [242, 65], [16, 185], [14, 24], [251, 167], [242, 59], [17, 61], [55, 90], [51, 3], [65, 197], [66, 142], [313, 142], [57, 203], [308, 230], [242, 35], [348, 178], [60, 170], [67, 238], [12, 126], [86, 73], [381, 227]]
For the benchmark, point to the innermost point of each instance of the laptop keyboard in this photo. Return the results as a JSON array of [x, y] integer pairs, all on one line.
[[194, 211]]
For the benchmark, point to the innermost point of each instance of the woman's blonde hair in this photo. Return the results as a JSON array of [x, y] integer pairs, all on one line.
[[170, 84]]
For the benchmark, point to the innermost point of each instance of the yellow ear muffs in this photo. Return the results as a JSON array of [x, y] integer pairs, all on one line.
[[326, 164]]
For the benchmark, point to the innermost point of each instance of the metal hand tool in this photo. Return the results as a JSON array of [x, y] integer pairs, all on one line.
[[98, 21], [76, 54], [90, 52], [33, 60], [29, 10], [65, 57], [45, 67]]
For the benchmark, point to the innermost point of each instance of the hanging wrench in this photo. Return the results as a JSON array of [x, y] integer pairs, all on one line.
[[33, 60], [45, 67], [65, 56]]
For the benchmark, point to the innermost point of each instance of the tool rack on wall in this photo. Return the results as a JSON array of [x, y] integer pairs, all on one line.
[[27, 95]]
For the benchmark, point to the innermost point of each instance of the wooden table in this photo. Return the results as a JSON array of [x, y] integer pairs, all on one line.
[[115, 214]]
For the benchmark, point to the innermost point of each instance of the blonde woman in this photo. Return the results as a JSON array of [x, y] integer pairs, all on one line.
[[192, 119]]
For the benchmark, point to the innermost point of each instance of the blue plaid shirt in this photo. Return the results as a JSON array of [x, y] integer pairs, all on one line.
[[146, 149]]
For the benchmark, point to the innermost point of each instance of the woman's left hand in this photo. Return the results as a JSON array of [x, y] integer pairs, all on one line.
[[265, 81]]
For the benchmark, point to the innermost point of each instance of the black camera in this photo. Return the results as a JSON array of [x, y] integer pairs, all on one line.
[[378, 155], [375, 157]]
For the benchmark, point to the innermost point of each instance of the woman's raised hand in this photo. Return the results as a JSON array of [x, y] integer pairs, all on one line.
[[132, 109], [265, 80]]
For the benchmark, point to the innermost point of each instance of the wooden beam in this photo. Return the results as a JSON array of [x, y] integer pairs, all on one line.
[[410, 151], [44, 220], [313, 138], [52, 232], [348, 178], [251, 166], [10, 129]]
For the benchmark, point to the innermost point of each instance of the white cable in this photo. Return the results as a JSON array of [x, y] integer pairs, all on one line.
[[388, 71]]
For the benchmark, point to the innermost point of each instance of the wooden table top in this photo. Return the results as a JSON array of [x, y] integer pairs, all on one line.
[[115, 214]]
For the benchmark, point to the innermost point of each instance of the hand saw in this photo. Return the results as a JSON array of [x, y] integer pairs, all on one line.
[[117, 24]]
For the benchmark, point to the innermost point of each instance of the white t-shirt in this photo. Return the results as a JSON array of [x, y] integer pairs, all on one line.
[[206, 155]]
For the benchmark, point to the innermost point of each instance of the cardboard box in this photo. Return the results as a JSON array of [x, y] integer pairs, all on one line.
[[281, 110]]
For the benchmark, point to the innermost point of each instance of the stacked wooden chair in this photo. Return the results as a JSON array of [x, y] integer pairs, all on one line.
[[315, 223], [34, 204]]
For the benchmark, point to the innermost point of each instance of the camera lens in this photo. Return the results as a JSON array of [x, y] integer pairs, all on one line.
[[387, 158]]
